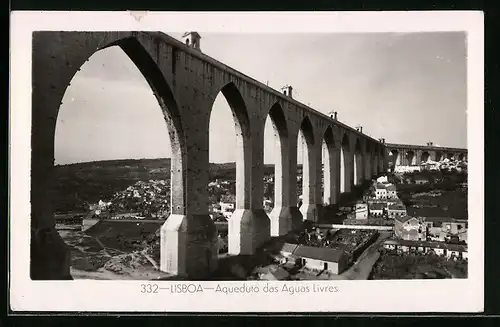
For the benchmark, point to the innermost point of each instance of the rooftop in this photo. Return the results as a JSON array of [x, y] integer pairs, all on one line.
[[435, 245], [445, 220], [391, 188], [404, 219], [288, 247], [324, 254], [396, 207], [377, 206]]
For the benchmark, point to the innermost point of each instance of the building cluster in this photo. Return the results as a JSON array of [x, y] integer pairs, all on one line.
[[319, 259], [149, 199], [331, 250], [451, 164], [442, 236], [444, 164], [407, 169], [449, 250], [222, 210], [439, 229], [380, 201], [219, 183], [223, 199]]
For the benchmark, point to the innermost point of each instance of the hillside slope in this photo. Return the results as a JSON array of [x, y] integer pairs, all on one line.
[[81, 183]]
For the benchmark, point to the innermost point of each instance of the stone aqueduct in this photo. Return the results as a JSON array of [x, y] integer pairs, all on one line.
[[408, 155], [186, 83]]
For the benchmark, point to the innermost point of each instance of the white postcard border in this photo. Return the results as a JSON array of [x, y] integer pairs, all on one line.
[[352, 296]]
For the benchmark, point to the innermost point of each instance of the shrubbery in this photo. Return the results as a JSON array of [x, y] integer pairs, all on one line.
[[417, 266]]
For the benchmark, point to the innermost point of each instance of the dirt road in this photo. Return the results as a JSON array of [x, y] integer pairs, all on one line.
[[363, 266]]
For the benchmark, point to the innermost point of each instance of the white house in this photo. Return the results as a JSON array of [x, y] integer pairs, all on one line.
[[391, 191], [439, 248], [361, 211], [390, 246], [227, 209], [328, 259], [380, 191], [396, 210], [382, 180], [376, 209], [438, 251]]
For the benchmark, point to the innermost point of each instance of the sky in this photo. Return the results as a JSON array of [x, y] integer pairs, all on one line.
[[405, 87]]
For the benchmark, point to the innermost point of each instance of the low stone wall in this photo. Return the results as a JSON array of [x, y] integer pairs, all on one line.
[[383, 228], [362, 247]]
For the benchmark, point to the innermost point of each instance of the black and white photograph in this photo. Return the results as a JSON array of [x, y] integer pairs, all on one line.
[[206, 160]]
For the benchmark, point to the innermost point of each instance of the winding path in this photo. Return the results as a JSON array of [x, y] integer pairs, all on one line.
[[362, 268]]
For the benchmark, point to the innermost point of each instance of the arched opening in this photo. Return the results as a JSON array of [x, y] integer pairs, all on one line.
[[367, 162], [114, 159], [276, 171], [394, 159], [382, 160], [424, 157], [461, 156], [358, 163], [438, 156], [230, 160], [329, 172], [449, 156], [410, 158], [308, 162], [375, 156], [345, 170]]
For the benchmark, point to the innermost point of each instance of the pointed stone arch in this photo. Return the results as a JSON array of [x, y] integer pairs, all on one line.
[[358, 162], [395, 158], [410, 158], [367, 160], [281, 168], [345, 164], [283, 217], [375, 155], [330, 169], [51, 53], [243, 152], [425, 156], [242, 224], [309, 171]]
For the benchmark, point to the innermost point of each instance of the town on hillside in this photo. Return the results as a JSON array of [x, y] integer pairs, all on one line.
[[410, 223]]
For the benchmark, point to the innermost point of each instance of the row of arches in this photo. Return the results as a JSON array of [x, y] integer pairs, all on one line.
[[344, 166], [412, 158]]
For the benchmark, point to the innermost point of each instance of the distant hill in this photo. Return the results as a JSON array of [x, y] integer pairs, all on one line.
[[88, 182]]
